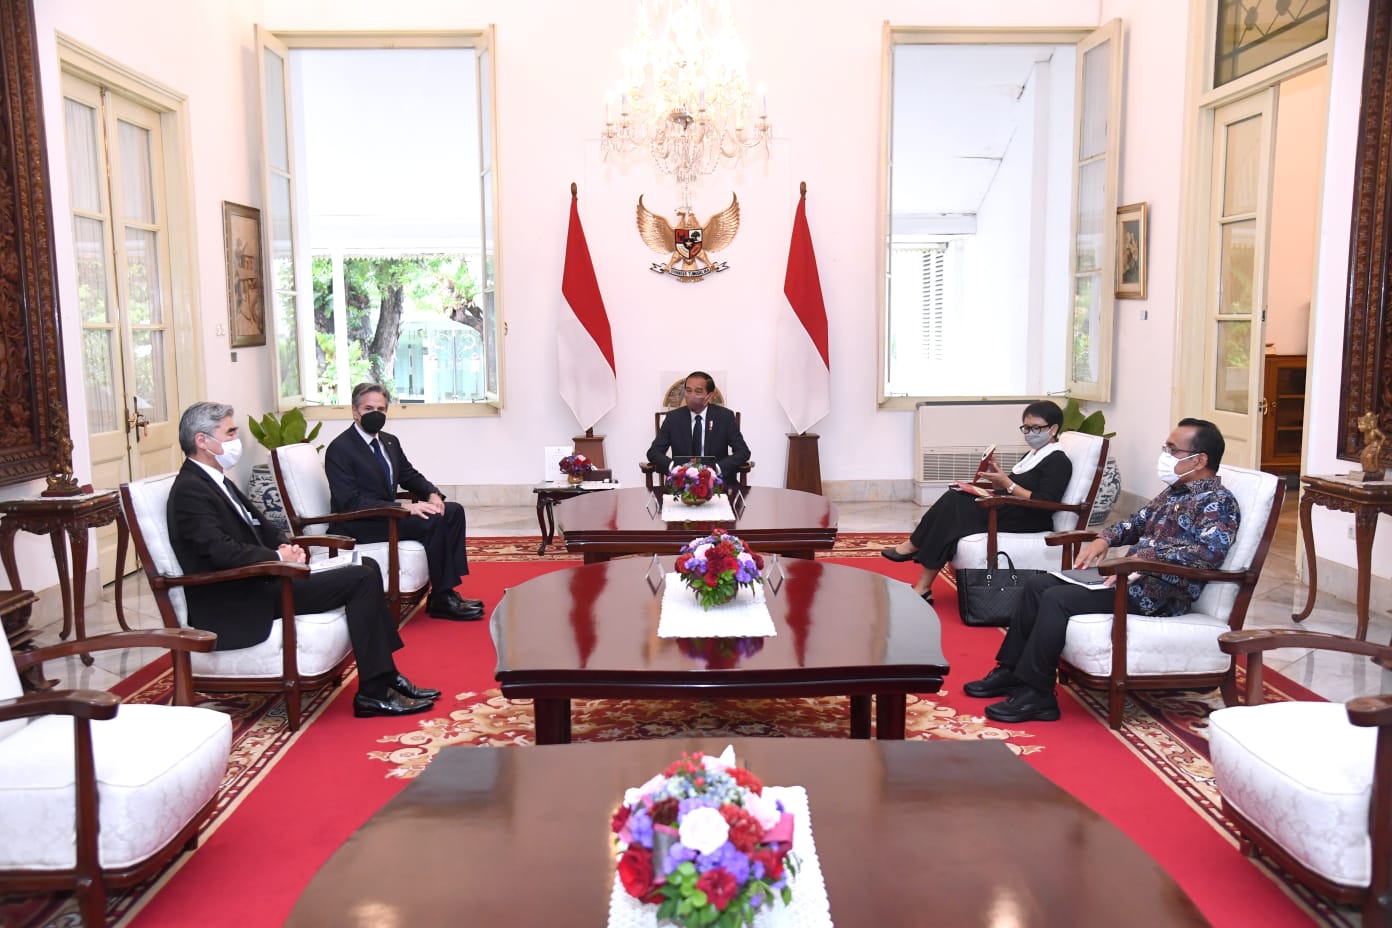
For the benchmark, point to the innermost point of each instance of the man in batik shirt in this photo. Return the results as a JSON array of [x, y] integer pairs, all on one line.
[[1193, 522]]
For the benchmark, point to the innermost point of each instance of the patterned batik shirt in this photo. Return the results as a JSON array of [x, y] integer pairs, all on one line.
[[1193, 524]]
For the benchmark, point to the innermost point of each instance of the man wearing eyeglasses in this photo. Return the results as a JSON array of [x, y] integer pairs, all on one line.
[[1193, 522]]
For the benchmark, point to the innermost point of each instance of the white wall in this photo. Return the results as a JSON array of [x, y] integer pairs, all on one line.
[[1295, 188]]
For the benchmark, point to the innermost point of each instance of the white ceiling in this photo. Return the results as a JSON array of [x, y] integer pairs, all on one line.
[[955, 111]]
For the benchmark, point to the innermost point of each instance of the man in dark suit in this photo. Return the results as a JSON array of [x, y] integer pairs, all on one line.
[[699, 429], [213, 526], [365, 465]]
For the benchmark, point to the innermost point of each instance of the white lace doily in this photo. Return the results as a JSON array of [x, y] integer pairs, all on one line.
[[810, 907], [681, 616], [717, 510]]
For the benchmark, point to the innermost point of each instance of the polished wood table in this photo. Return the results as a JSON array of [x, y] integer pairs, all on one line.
[[71, 515], [772, 520], [1365, 501], [908, 834], [550, 493], [590, 632]]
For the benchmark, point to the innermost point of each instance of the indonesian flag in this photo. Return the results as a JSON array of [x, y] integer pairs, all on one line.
[[585, 349], [803, 366]]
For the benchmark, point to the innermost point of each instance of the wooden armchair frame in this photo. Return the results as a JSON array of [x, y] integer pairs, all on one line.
[[87, 879], [1364, 711], [291, 682], [400, 605], [1119, 681]]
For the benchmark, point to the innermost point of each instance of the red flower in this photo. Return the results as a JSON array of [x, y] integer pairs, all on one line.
[[712, 579], [745, 830], [620, 819], [746, 779], [772, 861], [687, 763], [664, 811], [635, 870], [719, 886]]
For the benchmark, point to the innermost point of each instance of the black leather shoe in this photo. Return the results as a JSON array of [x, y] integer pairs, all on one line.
[[459, 602], [365, 706], [894, 555], [411, 691], [1027, 705], [442, 608], [999, 682]]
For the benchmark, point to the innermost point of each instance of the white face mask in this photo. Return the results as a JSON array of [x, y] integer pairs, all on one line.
[[231, 453], [1037, 440], [1165, 466]]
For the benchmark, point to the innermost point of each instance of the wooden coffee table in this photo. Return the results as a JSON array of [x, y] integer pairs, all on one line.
[[907, 833], [787, 522], [590, 632]]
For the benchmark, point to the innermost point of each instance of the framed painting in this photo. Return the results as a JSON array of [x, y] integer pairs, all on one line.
[[246, 305], [1131, 252]]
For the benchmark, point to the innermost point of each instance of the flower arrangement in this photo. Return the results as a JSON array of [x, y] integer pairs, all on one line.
[[715, 567], [576, 467], [694, 485], [721, 653], [703, 843]]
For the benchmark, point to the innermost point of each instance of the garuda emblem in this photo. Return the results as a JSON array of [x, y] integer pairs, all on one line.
[[688, 245]]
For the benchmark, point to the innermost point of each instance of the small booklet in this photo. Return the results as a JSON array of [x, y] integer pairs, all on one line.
[[961, 486], [988, 458], [1089, 577]]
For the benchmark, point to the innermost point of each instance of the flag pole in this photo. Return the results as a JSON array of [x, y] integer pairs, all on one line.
[[803, 469], [589, 444]]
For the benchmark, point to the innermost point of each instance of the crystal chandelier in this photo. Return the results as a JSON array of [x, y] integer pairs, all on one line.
[[684, 96]]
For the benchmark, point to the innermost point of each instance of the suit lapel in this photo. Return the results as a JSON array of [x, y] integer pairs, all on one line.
[[247, 529]]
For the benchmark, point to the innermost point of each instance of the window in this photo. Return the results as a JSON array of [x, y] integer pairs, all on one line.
[[1254, 33], [1001, 185], [380, 182]]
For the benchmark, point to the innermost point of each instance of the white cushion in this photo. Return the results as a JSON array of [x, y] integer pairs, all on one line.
[[1154, 644], [1254, 492], [321, 639], [10, 689], [306, 487], [1084, 451], [1303, 774], [156, 767]]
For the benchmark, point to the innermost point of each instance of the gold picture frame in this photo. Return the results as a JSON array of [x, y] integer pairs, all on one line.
[[246, 303], [1132, 223]]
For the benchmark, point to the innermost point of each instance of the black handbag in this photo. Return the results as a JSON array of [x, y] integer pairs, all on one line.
[[989, 595]]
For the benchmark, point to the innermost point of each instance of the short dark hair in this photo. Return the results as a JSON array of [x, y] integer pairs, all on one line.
[[200, 419], [1207, 440], [363, 389], [1047, 410], [710, 381]]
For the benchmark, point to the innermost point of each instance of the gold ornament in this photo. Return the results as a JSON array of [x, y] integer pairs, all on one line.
[[690, 242]]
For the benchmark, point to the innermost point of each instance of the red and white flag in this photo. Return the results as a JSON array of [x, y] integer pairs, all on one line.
[[584, 346], [803, 364]]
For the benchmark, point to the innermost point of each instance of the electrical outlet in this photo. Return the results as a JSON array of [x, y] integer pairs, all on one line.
[[1350, 533], [220, 330]]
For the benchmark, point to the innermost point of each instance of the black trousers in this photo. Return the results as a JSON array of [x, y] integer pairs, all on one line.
[[371, 627], [956, 515], [444, 537], [1034, 643]]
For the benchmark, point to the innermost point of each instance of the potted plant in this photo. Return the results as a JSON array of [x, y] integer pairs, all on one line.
[[272, 433], [1076, 419]]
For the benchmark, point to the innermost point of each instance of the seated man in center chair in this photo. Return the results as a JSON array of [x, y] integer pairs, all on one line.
[[699, 429], [365, 465]]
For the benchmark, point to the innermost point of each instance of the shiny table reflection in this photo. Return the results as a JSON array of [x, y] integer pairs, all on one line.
[[591, 632], [628, 521], [908, 834]]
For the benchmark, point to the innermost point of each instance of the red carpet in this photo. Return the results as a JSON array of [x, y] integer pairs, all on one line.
[[1151, 780]]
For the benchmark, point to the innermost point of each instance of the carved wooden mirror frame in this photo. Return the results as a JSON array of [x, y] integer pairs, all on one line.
[[34, 432], [1367, 381]]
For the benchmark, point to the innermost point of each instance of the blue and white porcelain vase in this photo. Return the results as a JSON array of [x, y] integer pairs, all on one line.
[[266, 495], [1107, 493]]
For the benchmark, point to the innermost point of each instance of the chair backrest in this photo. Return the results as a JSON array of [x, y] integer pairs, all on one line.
[[676, 395], [1259, 496], [1088, 454], [662, 414], [10, 689], [304, 486], [146, 504]]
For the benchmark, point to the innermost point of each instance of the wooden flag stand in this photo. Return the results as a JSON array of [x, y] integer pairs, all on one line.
[[592, 447], [804, 464]]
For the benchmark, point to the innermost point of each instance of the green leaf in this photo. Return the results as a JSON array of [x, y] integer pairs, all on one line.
[[699, 899], [255, 430], [668, 908]]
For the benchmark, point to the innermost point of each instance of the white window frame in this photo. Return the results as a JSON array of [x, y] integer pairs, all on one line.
[[482, 41]]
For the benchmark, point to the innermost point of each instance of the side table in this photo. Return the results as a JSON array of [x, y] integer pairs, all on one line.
[[549, 494], [74, 515], [15, 606], [1365, 500]]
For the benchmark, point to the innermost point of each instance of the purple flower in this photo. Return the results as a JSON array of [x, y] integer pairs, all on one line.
[[640, 825], [696, 802], [677, 854], [728, 857]]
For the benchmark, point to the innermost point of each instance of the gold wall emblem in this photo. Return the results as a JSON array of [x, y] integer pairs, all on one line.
[[688, 245]]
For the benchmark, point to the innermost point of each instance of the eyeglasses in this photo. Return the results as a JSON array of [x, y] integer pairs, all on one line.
[[1034, 429], [1176, 452]]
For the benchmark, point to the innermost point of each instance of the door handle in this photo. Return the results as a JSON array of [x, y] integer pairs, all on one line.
[[137, 423], [1264, 407]]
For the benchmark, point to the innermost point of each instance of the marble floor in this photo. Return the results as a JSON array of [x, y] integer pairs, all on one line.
[[1333, 676]]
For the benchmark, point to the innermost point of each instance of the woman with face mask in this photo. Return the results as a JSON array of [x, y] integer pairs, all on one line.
[[1042, 474]]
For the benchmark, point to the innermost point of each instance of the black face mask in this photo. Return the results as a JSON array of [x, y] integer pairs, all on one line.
[[372, 422]]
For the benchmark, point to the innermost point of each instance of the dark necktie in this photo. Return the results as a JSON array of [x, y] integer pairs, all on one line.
[[696, 436], [382, 460], [236, 500]]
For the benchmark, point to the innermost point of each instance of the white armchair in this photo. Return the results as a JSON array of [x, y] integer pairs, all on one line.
[[1118, 651], [1028, 550], [1310, 783], [304, 487], [309, 652], [96, 794]]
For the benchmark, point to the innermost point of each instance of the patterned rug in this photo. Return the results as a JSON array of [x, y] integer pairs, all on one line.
[[1166, 731]]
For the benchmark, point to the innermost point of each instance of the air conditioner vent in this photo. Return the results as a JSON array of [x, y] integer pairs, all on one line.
[[945, 465]]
